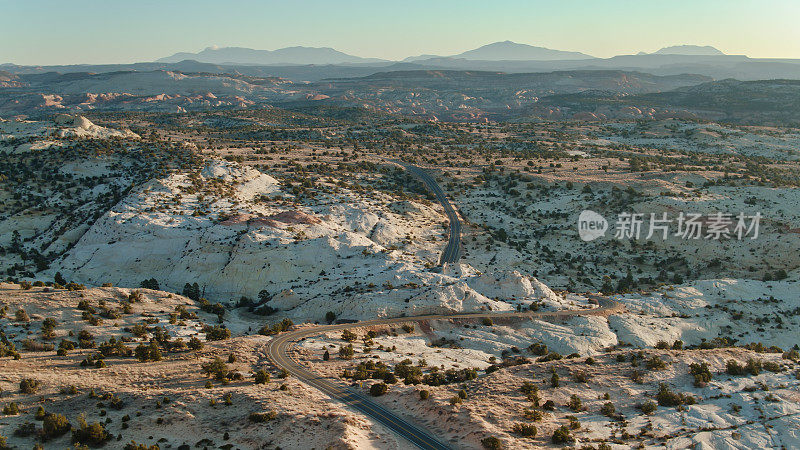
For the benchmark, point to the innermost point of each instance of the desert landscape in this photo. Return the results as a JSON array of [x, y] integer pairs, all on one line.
[[510, 247]]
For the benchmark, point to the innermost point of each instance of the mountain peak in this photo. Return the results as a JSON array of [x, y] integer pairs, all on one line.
[[514, 51], [694, 50]]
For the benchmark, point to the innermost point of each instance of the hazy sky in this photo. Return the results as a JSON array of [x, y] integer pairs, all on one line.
[[111, 31]]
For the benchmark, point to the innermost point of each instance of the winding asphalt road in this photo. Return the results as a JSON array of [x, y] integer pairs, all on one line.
[[280, 347], [452, 251]]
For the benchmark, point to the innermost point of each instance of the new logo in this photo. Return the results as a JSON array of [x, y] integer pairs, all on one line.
[[591, 225]]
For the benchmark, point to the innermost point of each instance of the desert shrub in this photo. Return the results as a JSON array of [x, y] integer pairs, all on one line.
[[549, 405], [656, 363], [93, 435], [234, 376], [85, 339], [152, 283], [21, 316], [590, 361], [262, 417], [552, 356], [608, 409], [772, 366], [378, 389], [264, 310], [538, 349], [456, 400], [279, 327], [524, 429], [195, 343], [562, 436], [55, 425], [574, 423], [575, 403], [116, 403], [95, 360], [29, 386], [701, 373], [346, 351], [64, 346], [408, 328], [262, 377], [113, 347], [487, 321], [348, 336], [216, 368], [149, 352], [217, 333], [139, 330], [424, 394], [135, 296], [492, 443], [12, 409], [49, 328], [531, 391], [648, 407], [8, 349], [662, 345], [133, 445], [666, 397], [732, 367], [677, 345], [753, 366], [581, 376], [74, 287]]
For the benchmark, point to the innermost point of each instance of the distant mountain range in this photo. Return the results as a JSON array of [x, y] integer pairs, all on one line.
[[498, 51], [285, 56], [307, 64]]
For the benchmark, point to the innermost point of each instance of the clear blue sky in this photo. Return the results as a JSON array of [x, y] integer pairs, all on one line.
[[112, 31]]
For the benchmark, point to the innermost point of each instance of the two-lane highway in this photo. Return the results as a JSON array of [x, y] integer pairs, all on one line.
[[452, 252]]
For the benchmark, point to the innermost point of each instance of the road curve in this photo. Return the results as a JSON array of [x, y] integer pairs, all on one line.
[[278, 351], [278, 348], [452, 251]]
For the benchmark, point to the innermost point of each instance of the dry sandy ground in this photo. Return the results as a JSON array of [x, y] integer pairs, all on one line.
[[731, 412], [304, 418]]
